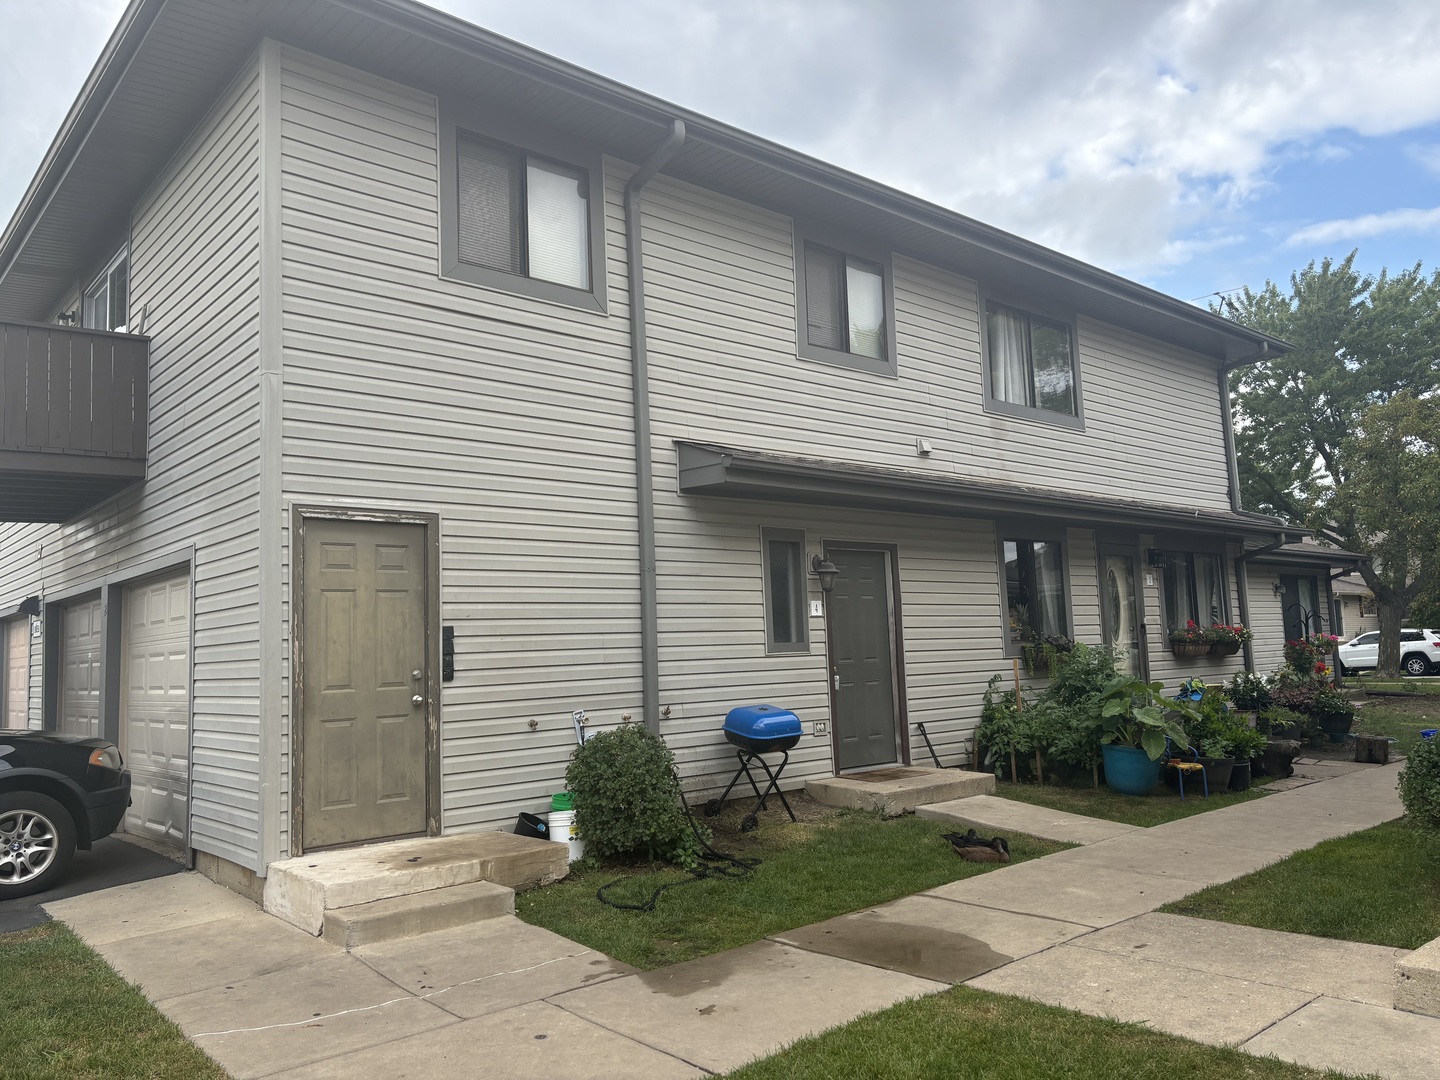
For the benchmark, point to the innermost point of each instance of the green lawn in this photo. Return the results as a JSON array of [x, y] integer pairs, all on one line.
[[68, 1016], [1381, 886], [966, 1034], [1404, 718], [1408, 686], [1143, 810], [810, 871]]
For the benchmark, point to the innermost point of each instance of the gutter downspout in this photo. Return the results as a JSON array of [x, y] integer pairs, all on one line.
[[1242, 587], [640, 399]]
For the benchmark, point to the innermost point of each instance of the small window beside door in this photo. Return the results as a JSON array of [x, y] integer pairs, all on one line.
[[107, 300], [1034, 572], [787, 623], [846, 314]]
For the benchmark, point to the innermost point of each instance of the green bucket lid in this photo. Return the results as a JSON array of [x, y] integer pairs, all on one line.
[[562, 800]]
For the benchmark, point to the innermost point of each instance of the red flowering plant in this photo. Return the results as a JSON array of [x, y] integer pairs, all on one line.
[[1307, 655], [1221, 634], [1190, 634]]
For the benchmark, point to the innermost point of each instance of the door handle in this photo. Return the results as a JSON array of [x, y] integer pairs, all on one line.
[[417, 700], [837, 680]]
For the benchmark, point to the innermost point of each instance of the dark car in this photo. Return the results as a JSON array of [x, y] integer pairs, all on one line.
[[57, 793]]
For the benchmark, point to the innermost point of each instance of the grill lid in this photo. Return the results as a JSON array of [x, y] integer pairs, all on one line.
[[762, 722]]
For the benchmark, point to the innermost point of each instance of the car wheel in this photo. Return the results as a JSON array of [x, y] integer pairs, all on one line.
[[37, 839], [1414, 664], [1340, 668]]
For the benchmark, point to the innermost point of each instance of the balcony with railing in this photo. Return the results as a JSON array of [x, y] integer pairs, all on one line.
[[72, 419]]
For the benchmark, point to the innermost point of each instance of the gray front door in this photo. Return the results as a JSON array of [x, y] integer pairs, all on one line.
[[362, 670], [862, 658]]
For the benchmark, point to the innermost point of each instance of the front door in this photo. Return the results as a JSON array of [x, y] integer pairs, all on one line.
[[861, 629], [1120, 609], [1300, 600], [363, 681]]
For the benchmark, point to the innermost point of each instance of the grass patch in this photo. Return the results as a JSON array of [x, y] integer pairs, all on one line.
[[68, 1016], [1403, 718], [1144, 810], [1380, 886], [1415, 687], [813, 870], [966, 1034]]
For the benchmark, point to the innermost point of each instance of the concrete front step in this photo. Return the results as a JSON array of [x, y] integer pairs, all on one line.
[[1417, 980], [302, 889], [899, 790], [990, 813], [418, 913]]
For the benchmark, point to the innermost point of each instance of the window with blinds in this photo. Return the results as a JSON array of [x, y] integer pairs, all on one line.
[[521, 214], [844, 303]]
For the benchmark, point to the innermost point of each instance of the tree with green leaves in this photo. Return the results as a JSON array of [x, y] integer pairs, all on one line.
[[1332, 435]]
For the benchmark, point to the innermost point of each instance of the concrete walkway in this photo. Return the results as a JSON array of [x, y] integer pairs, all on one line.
[[1076, 929]]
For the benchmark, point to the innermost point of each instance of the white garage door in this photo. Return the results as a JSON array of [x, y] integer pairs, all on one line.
[[17, 674], [155, 707], [82, 628]]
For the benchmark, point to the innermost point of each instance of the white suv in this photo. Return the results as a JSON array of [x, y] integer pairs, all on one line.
[[1419, 652]]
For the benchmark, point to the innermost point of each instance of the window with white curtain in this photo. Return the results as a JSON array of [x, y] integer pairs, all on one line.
[[1031, 361], [846, 313], [1034, 590], [521, 214], [1194, 589]]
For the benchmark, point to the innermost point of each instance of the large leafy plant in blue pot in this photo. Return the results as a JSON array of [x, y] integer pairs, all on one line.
[[1136, 726]]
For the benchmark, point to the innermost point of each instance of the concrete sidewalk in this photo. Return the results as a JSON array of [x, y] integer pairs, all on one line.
[[1075, 929]]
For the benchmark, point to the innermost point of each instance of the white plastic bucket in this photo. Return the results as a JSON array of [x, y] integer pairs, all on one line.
[[562, 831]]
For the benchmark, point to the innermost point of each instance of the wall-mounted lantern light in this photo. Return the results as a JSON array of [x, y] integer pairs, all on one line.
[[29, 606], [826, 571], [1279, 589]]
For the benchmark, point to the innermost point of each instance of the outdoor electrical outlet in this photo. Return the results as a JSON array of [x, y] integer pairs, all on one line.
[[820, 727]]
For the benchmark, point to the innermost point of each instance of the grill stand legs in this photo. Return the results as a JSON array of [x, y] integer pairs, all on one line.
[[746, 759]]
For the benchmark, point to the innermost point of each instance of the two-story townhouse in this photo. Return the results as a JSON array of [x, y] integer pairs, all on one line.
[[379, 392]]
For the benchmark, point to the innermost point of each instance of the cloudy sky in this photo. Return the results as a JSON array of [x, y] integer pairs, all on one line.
[[1195, 145]]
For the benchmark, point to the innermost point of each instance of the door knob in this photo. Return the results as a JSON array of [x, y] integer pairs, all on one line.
[[417, 700], [417, 674]]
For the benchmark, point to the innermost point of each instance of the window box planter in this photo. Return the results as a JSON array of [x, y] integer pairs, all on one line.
[[1225, 648], [1190, 648]]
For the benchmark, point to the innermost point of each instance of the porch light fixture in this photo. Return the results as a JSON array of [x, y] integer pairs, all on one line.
[[826, 571], [1279, 589], [29, 606]]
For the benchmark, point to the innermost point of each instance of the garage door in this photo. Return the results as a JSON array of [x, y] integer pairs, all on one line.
[[17, 674], [155, 707], [81, 629]]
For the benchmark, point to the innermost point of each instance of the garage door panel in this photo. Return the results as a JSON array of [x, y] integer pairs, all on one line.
[[82, 631], [156, 699]]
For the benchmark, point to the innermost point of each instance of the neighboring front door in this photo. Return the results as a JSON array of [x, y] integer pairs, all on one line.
[[155, 708], [861, 629], [1301, 602], [82, 631], [1120, 609], [363, 681], [17, 674]]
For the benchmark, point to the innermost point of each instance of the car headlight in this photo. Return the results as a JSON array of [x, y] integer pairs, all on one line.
[[107, 757]]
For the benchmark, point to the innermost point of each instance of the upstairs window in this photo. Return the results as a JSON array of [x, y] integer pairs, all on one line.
[[846, 314], [1031, 362], [107, 300], [523, 215], [1194, 589]]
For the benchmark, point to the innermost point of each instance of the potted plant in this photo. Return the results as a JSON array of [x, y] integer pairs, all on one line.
[[1211, 734], [1226, 640], [1334, 712], [1135, 728], [1041, 653], [1246, 744], [1189, 640], [1249, 693]]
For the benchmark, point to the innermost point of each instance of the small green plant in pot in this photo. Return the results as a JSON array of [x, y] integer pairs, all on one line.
[[1136, 725], [627, 804], [1248, 692]]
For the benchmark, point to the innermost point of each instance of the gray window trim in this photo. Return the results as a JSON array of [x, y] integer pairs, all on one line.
[[1029, 305], [533, 139], [1196, 548], [773, 647], [1022, 529], [861, 248]]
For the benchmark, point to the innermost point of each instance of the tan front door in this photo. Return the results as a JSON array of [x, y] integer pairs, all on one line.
[[363, 682], [17, 674]]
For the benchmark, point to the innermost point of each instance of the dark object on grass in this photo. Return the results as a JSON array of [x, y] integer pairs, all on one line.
[[1240, 775], [974, 848]]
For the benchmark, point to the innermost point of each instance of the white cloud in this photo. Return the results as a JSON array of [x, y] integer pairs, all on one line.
[[1365, 226], [1427, 154]]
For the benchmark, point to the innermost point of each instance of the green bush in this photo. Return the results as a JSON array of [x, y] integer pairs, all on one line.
[[1420, 784], [627, 802]]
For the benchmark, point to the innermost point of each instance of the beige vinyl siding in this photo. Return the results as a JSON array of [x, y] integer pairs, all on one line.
[[1085, 624], [506, 415], [720, 290], [193, 269], [1267, 618]]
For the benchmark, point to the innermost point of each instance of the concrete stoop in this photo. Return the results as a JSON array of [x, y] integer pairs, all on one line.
[[897, 791], [1417, 980], [418, 913], [302, 890]]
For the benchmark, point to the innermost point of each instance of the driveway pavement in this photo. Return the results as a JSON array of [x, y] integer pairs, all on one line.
[[502, 998], [109, 863]]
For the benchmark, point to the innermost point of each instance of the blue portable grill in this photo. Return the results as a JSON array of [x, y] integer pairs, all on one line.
[[756, 730]]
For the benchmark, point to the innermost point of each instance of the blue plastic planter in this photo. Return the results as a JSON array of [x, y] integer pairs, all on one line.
[[1129, 770]]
